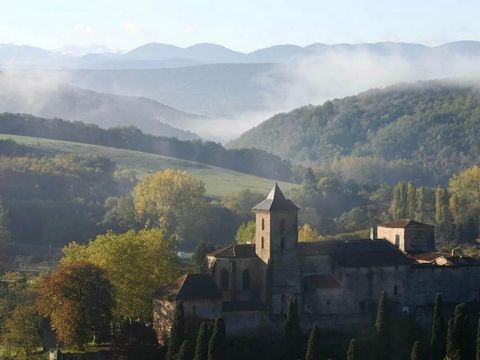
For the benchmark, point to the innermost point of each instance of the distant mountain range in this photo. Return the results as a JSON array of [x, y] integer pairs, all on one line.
[[56, 100], [157, 55]]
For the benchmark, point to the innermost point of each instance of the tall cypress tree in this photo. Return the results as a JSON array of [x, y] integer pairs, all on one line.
[[422, 208], [381, 343], [177, 332], [217, 347], [313, 348], [461, 333], [437, 340], [450, 343], [416, 353], [477, 350], [203, 337], [185, 352], [293, 334], [411, 198], [352, 352], [398, 206]]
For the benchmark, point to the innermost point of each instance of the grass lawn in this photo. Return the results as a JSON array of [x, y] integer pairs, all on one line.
[[219, 181]]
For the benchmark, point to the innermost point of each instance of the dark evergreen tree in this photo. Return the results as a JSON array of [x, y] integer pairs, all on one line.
[[185, 352], [203, 337], [177, 332], [293, 335], [416, 353], [381, 341], [217, 349], [460, 331], [352, 353], [450, 343], [477, 349], [313, 349], [437, 340]]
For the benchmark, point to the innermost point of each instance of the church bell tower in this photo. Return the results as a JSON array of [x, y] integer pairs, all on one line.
[[276, 244]]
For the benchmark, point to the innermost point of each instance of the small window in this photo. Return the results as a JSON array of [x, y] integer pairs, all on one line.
[[282, 224], [283, 300], [328, 302], [395, 290], [194, 310], [263, 243], [246, 280], [263, 224], [224, 281], [282, 243], [397, 240]]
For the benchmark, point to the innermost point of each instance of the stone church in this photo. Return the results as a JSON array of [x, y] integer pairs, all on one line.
[[337, 283]]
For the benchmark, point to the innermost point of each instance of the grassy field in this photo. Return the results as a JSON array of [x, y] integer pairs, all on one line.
[[218, 181]]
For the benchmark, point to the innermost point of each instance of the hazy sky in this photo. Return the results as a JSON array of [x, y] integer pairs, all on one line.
[[243, 25]]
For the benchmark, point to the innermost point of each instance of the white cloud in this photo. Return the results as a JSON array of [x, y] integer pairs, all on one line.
[[85, 30], [133, 28]]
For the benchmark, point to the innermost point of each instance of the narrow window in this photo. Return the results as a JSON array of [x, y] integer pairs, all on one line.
[[263, 243], [361, 306], [224, 279], [282, 224], [283, 303], [395, 290], [282, 243], [397, 240], [194, 310], [246, 280], [263, 224]]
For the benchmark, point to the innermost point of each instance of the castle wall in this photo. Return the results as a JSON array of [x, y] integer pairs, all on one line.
[[235, 269]]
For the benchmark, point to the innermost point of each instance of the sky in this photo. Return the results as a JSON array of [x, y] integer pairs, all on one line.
[[242, 25]]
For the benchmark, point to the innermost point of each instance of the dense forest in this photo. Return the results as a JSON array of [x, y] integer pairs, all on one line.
[[250, 161], [424, 132]]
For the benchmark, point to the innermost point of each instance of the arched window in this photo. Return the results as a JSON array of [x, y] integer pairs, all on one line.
[[263, 224], [282, 224], [397, 240], [224, 279], [263, 243], [282, 243], [246, 280]]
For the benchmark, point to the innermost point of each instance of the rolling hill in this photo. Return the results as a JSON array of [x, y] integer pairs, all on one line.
[[218, 181], [42, 96], [426, 130]]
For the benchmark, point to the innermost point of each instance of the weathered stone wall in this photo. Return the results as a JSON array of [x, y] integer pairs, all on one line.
[[420, 239], [236, 290], [390, 235], [246, 323]]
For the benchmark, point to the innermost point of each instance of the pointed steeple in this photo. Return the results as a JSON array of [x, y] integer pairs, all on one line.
[[276, 201]]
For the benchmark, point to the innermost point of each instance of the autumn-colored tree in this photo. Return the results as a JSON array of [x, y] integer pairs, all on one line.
[[173, 201], [466, 187], [308, 233], [136, 262], [246, 233], [22, 329], [77, 298]]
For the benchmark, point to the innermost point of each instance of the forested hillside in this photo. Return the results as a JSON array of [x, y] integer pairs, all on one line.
[[249, 161], [423, 132]]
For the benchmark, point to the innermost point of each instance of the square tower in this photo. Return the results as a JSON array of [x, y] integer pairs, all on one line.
[[276, 244]]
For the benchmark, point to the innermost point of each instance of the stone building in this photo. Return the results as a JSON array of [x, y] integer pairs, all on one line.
[[337, 283]]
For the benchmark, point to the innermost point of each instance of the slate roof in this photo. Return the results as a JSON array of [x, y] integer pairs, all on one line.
[[321, 281], [405, 223], [191, 287], [235, 251], [231, 306], [356, 253], [276, 201]]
